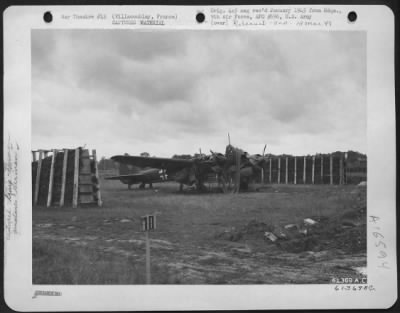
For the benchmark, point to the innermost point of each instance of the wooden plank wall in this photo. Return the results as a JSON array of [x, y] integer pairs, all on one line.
[[57, 178], [316, 169]]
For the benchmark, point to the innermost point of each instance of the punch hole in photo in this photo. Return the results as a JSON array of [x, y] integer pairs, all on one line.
[[48, 17], [200, 17], [352, 17]]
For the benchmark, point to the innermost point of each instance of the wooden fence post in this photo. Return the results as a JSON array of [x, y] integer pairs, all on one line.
[[345, 168], [270, 170], [51, 178], [313, 170], [262, 176], [237, 174], [76, 180], [63, 177], [295, 170], [279, 170], [322, 169], [304, 170], [37, 183], [341, 171], [286, 171], [148, 272], [33, 156], [263, 168], [331, 168], [96, 169]]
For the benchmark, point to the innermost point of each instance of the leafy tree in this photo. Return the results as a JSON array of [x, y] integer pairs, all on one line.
[[182, 156]]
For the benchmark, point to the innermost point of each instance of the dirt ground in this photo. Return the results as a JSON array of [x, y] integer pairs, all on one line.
[[210, 238]]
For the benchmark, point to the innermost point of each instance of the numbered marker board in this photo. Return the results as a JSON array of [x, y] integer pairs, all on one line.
[[148, 222]]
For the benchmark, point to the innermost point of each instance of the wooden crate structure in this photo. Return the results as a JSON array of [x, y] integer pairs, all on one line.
[[65, 177]]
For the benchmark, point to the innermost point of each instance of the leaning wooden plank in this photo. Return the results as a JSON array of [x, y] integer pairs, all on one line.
[[313, 170], [345, 168], [76, 180], [96, 172], [341, 180], [63, 177], [279, 170], [51, 179], [342, 171], [286, 170], [322, 169], [37, 183], [270, 170]]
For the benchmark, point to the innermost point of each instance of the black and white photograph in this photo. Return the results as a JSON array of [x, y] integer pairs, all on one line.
[[199, 158], [246, 148]]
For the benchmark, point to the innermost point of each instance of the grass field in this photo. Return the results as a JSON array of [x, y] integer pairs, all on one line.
[[210, 238]]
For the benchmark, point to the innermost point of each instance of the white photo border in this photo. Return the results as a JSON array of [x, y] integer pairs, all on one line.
[[376, 21]]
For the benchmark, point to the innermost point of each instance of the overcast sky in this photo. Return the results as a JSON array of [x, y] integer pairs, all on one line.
[[170, 92]]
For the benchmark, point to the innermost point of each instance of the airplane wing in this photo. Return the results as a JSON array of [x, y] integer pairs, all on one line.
[[150, 175], [168, 164], [138, 177]]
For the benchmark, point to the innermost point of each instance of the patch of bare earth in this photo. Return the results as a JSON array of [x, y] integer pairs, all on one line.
[[204, 238]]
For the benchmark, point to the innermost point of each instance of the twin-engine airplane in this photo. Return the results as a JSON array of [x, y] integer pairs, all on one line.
[[236, 166]]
